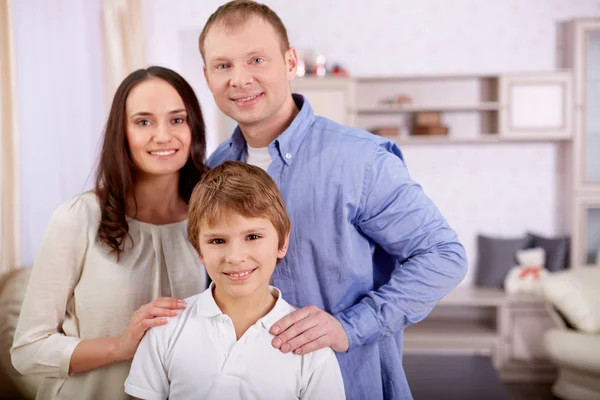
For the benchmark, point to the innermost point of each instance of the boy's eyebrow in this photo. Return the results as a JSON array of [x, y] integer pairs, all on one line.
[[246, 232]]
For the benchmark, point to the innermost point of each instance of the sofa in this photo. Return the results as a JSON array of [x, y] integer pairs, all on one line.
[[573, 299], [12, 384]]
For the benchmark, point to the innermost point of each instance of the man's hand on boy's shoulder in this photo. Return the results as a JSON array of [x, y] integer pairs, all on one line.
[[309, 329]]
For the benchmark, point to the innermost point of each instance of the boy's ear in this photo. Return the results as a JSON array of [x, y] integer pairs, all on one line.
[[283, 250]]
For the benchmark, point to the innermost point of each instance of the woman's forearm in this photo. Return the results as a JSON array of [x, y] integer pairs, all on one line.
[[95, 353]]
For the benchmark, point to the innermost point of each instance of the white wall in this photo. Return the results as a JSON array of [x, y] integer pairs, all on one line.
[[60, 106], [502, 189]]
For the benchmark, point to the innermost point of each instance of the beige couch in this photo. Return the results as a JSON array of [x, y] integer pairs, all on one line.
[[574, 346], [12, 384]]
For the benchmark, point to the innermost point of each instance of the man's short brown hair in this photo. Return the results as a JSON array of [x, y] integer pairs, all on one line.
[[236, 13], [236, 187]]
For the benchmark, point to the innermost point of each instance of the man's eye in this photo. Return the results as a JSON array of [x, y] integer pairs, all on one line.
[[221, 66], [216, 241], [143, 122], [253, 237], [257, 60]]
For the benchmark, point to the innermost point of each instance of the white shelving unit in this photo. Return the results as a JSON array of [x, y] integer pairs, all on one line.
[[488, 322], [582, 54], [476, 108]]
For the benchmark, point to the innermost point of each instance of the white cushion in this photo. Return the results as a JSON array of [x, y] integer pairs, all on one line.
[[579, 351], [576, 294]]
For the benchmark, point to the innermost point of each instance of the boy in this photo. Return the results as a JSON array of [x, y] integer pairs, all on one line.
[[219, 347]]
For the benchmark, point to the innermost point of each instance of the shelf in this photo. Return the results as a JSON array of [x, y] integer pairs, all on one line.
[[397, 108], [482, 139], [441, 331]]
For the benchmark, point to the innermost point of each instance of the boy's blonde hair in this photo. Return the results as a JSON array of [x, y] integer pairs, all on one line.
[[237, 12], [236, 187]]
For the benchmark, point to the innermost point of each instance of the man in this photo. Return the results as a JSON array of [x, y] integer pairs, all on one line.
[[369, 253]]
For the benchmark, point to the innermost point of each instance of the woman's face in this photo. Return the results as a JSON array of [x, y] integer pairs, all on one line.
[[157, 128]]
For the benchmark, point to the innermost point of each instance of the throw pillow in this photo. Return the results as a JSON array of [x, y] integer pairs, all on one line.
[[556, 248], [495, 257]]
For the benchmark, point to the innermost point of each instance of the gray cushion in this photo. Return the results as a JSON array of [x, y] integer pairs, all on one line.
[[495, 257], [557, 250]]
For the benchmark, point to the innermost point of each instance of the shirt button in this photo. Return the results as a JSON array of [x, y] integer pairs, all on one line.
[[288, 156]]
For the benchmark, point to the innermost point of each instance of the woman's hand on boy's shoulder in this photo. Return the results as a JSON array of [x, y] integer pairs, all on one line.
[[309, 329]]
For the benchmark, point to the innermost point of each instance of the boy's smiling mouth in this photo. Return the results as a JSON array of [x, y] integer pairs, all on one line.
[[239, 275]]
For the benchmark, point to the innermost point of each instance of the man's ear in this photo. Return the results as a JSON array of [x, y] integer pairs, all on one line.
[[291, 63]]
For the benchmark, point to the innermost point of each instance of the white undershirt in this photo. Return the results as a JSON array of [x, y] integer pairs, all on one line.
[[259, 157]]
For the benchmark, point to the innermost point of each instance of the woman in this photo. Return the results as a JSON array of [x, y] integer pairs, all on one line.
[[109, 255]]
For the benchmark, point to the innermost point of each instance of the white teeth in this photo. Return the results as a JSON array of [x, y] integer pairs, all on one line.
[[242, 274], [247, 98], [162, 153]]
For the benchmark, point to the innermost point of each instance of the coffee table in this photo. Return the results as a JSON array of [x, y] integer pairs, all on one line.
[[450, 377]]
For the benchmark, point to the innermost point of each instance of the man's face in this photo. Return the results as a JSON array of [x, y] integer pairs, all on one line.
[[240, 255], [247, 72]]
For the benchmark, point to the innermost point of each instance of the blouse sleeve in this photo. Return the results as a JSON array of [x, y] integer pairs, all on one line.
[[39, 346]]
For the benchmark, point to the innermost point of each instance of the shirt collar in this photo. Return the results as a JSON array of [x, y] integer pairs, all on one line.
[[207, 307], [288, 143]]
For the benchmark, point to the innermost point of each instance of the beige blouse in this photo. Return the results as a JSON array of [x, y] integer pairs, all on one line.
[[78, 291]]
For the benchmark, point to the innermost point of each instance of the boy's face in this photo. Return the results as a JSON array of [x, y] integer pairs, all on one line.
[[240, 254], [247, 73]]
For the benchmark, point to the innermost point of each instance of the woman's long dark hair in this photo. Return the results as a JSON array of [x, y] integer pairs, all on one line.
[[116, 173]]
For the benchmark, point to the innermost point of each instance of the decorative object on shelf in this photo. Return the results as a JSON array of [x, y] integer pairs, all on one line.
[[495, 257], [401, 100], [320, 65], [338, 70], [528, 275], [429, 123], [387, 131], [301, 68], [556, 248]]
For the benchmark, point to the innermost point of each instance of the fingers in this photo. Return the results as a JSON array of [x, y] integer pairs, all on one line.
[[146, 324], [312, 338], [168, 302], [161, 307], [296, 330], [319, 343], [290, 319]]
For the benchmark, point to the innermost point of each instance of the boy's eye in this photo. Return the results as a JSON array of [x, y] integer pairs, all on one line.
[[143, 122], [216, 241], [253, 237]]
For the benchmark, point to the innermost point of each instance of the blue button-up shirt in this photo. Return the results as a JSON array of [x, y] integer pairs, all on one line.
[[367, 245]]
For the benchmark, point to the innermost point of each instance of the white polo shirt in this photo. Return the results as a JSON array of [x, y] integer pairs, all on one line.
[[196, 356]]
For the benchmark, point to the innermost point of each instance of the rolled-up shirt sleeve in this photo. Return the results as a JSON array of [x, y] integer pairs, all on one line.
[[40, 347], [429, 260]]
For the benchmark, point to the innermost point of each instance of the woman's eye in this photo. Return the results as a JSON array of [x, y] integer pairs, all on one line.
[[178, 120], [216, 241], [253, 237], [143, 122]]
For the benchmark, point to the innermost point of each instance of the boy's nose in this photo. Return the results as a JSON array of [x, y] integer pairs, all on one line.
[[236, 255]]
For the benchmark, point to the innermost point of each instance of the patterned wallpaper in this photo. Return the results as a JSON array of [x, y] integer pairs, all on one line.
[[498, 189]]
